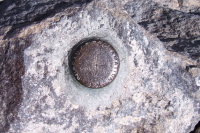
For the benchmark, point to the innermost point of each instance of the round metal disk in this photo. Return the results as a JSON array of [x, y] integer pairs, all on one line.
[[94, 63]]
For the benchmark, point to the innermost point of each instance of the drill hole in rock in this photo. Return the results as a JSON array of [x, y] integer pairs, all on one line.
[[94, 63]]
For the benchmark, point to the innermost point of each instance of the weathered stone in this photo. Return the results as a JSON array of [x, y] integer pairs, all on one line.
[[179, 31], [22, 13], [157, 87], [18, 15]]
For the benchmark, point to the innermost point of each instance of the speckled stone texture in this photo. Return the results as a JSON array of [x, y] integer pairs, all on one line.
[[155, 91]]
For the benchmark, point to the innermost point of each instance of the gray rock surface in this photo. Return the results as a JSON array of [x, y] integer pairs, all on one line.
[[156, 90], [179, 31]]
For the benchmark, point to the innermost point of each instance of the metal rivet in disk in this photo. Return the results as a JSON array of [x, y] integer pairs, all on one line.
[[94, 63]]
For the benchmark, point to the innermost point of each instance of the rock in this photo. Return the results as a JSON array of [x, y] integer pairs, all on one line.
[[15, 15], [179, 31], [157, 86], [182, 5]]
